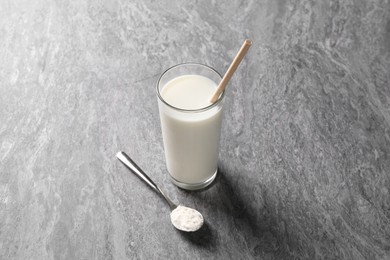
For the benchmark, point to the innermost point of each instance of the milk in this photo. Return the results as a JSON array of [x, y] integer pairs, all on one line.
[[189, 92], [191, 129]]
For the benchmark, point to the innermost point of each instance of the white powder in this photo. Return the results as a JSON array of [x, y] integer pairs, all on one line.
[[186, 219]]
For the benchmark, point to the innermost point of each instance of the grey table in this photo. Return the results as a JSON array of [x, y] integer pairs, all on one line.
[[305, 148]]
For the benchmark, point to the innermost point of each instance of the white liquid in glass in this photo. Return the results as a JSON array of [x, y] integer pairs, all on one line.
[[191, 139]]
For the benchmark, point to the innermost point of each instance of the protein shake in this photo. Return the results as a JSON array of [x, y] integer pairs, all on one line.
[[190, 124]]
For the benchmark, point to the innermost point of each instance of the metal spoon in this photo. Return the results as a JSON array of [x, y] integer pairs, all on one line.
[[182, 218]]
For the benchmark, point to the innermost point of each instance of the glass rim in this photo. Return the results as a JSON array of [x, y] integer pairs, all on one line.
[[220, 98]]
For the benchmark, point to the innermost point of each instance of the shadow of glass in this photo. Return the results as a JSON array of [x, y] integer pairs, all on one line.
[[238, 205], [230, 200], [254, 220]]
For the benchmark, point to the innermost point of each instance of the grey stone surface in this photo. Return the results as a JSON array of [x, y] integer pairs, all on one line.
[[304, 161]]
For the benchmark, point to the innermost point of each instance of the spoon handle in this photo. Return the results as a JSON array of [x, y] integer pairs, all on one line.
[[134, 168]]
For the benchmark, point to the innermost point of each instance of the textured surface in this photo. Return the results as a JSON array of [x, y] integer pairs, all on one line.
[[305, 151]]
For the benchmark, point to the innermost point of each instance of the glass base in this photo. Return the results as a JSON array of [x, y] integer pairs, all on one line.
[[194, 186]]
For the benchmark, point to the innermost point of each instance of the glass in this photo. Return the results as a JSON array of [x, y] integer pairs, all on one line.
[[191, 137]]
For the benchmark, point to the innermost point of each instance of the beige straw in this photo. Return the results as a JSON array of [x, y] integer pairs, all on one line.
[[229, 73]]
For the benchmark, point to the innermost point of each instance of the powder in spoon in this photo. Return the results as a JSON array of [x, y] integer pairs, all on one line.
[[186, 219]]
